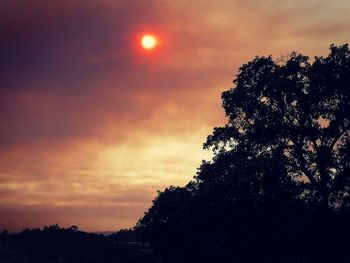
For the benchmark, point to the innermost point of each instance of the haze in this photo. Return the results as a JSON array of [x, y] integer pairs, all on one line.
[[91, 125]]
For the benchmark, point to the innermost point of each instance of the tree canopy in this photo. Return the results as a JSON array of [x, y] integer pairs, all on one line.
[[277, 188]]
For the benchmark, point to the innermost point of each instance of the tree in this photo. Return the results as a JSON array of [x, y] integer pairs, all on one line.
[[299, 112], [280, 176], [73, 228]]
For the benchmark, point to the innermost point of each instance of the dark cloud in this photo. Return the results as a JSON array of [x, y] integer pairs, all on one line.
[[69, 69], [53, 42]]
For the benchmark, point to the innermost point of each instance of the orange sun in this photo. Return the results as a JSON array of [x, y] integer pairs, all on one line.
[[149, 42]]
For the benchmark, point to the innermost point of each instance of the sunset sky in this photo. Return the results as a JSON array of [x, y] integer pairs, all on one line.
[[92, 125]]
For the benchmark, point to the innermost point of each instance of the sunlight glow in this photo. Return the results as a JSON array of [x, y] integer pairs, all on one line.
[[148, 42]]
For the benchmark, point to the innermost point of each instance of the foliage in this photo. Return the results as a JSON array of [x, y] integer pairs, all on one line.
[[277, 189], [56, 244]]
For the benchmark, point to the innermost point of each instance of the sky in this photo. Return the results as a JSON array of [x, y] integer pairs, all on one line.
[[92, 125]]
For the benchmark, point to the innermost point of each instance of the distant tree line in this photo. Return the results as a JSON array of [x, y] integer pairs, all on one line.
[[69, 245], [278, 186]]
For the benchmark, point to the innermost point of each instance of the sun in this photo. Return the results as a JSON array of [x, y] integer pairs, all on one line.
[[149, 41]]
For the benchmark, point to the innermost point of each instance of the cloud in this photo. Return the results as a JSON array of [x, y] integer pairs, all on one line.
[[102, 217], [87, 117]]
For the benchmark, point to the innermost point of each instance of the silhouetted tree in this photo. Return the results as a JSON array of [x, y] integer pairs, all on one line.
[[73, 228], [277, 189], [299, 112], [56, 244]]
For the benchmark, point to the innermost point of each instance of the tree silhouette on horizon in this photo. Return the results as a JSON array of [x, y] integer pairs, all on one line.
[[277, 188]]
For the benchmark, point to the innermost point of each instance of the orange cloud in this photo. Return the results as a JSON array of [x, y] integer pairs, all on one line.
[[91, 127]]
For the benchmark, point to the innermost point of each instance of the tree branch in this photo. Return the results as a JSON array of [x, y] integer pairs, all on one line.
[[303, 165], [336, 138]]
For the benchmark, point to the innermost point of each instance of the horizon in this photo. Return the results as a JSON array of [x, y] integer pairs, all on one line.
[[92, 125], [103, 232]]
